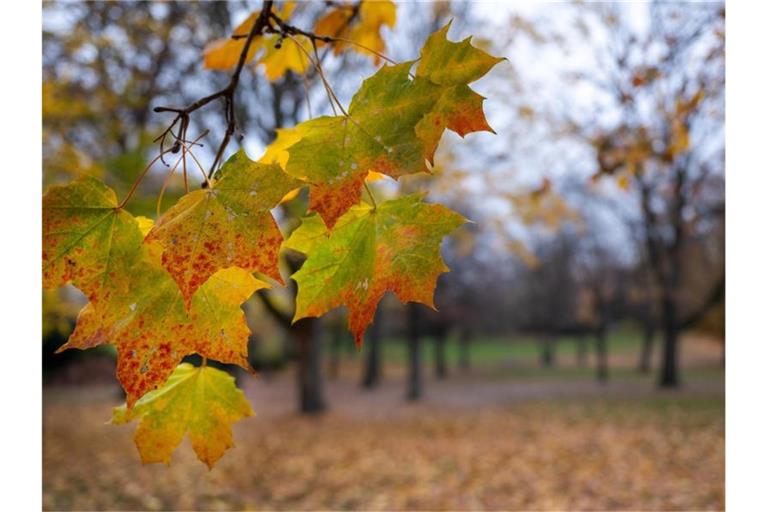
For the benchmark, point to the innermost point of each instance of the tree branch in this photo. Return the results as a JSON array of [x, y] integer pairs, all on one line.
[[279, 316], [715, 296], [227, 93]]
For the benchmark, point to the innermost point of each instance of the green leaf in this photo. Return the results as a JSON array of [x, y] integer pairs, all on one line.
[[447, 63], [395, 247], [394, 125], [203, 402]]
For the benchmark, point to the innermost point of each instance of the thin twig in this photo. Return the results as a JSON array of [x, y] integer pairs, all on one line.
[[227, 94]]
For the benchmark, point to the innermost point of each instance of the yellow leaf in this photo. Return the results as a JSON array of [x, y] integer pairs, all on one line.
[[145, 224], [276, 153], [203, 402], [289, 57], [374, 176], [224, 54], [364, 30], [623, 182]]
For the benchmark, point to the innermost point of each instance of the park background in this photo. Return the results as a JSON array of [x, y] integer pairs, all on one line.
[[551, 377]]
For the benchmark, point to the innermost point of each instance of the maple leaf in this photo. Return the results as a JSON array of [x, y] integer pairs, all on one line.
[[310, 233], [153, 331], [227, 224], [363, 29], [393, 247], [224, 54], [203, 402], [288, 57], [393, 127], [87, 239]]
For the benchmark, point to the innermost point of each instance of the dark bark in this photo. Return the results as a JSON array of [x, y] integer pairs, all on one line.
[[441, 368], [669, 375], [646, 351], [464, 340], [307, 334], [372, 371], [547, 356], [601, 350], [581, 351], [334, 352], [414, 387]]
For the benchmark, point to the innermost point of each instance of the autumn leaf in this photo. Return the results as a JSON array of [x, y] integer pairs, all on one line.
[[224, 54], [292, 55], [394, 125], [87, 239], [153, 331], [363, 29], [202, 402], [393, 247], [227, 224], [276, 153], [448, 63], [310, 233]]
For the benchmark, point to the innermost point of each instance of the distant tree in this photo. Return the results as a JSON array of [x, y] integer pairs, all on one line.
[[657, 131]]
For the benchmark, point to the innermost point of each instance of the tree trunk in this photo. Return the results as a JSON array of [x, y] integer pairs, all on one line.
[[601, 348], [337, 345], [670, 375], [309, 368], [581, 351], [372, 371], [414, 390], [464, 339], [547, 358], [646, 352], [441, 368]]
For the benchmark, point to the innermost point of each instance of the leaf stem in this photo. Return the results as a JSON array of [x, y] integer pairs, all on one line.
[[370, 194]]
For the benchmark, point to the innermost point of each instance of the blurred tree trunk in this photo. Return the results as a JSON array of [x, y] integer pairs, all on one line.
[[414, 389], [334, 353], [547, 356], [441, 368], [464, 340], [581, 351], [372, 369], [601, 350], [307, 335], [668, 378], [646, 351]]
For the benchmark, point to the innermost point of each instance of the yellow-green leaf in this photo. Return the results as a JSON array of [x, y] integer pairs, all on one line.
[[395, 247], [394, 126], [87, 239], [310, 233], [201, 402]]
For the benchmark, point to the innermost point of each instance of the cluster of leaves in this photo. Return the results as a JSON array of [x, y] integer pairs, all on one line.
[[355, 26], [160, 291]]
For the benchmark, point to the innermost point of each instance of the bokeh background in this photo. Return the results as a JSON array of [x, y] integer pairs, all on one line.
[[577, 357]]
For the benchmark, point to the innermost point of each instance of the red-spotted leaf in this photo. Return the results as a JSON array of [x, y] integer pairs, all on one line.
[[228, 224], [87, 239], [153, 331]]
